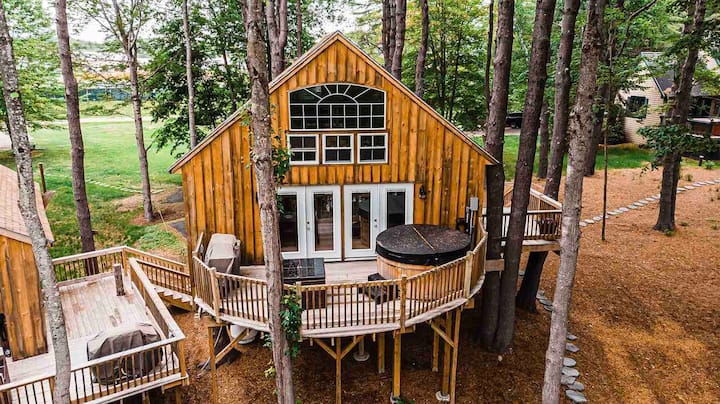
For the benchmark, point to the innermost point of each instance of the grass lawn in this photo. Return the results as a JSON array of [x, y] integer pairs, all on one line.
[[620, 156], [110, 157]]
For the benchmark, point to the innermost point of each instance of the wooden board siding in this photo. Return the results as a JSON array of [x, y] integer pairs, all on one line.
[[423, 150], [631, 125], [20, 298]]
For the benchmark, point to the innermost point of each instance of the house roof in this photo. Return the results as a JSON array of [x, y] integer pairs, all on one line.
[[301, 62], [665, 81], [12, 224]]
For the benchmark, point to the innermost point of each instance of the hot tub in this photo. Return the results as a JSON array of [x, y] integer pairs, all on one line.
[[415, 248]]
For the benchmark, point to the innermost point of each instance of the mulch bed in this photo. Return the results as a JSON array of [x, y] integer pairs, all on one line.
[[645, 309]]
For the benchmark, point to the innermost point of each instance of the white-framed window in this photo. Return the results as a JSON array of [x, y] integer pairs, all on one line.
[[338, 148], [337, 106], [303, 149], [372, 148]]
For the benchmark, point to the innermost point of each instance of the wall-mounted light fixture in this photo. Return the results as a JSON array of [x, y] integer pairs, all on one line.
[[422, 193]]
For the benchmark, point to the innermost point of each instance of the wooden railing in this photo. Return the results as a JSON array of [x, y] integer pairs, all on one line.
[[120, 374], [543, 220], [360, 306]]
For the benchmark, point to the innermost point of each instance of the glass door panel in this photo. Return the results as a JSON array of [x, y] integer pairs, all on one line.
[[323, 216], [323, 222], [293, 235], [361, 220], [396, 205]]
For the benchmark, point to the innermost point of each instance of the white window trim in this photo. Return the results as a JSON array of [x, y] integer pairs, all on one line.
[[317, 149], [352, 148], [371, 116], [359, 148]]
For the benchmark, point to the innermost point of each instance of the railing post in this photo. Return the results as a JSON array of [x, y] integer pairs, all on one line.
[[119, 286], [181, 357], [215, 293], [403, 295], [468, 272]]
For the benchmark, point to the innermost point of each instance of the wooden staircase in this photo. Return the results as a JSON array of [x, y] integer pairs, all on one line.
[[176, 299]]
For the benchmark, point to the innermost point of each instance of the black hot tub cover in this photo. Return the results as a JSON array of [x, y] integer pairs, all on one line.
[[422, 244]]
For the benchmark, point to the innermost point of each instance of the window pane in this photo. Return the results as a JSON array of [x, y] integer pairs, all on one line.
[[338, 110], [378, 109], [378, 154], [311, 123], [366, 141], [395, 209], [379, 140], [351, 122], [344, 141], [344, 155], [309, 142], [361, 220], [296, 110], [331, 141], [310, 156], [371, 96], [364, 122], [338, 123], [364, 110], [296, 123], [296, 142], [323, 110], [310, 110], [338, 99], [288, 223], [324, 223], [331, 155], [324, 123], [378, 122], [365, 155], [302, 96], [332, 88], [351, 110]]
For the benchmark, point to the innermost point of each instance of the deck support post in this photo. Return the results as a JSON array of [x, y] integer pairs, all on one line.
[[435, 351], [396, 364], [213, 368], [456, 340], [361, 355], [338, 371], [381, 353], [444, 390]]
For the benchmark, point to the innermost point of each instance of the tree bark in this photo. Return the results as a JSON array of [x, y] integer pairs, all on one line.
[[77, 148], [298, 27], [597, 129], [544, 135], [495, 177], [527, 294], [563, 83], [678, 115], [136, 99], [400, 14], [388, 32], [422, 49], [189, 74], [488, 55], [580, 138], [17, 127], [539, 55], [267, 196]]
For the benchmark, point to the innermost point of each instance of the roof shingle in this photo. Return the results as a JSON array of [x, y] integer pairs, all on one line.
[[12, 223]]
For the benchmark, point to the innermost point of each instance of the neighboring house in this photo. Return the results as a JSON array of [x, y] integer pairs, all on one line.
[[645, 105], [20, 295], [365, 149]]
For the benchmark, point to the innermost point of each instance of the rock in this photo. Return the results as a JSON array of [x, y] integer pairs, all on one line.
[[698, 184], [689, 187], [570, 347], [589, 221], [567, 380], [623, 209], [521, 273], [571, 337], [545, 301], [597, 218], [540, 293], [576, 396], [614, 212], [569, 362], [583, 224], [649, 200], [577, 386], [632, 207], [640, 203], [548, 308], [572, 372]]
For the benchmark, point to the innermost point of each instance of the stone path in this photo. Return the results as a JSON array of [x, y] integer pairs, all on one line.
[[105, 185], [574, 389], [644, 202]]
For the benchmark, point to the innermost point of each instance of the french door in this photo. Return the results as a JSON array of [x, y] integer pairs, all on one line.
[[370, 209], [310, 222]]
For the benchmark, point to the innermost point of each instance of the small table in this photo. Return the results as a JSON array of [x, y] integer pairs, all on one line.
[[308, 271]]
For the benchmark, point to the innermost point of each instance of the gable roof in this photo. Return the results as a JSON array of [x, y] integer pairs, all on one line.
[[303, 61], [12, 224], [665, 81]]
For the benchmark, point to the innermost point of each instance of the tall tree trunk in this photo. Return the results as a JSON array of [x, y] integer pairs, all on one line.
[[597, 129], [563, 83], [298, 27], [422, 49], [189, 74], [388, 32], [267, 196], [580, 138], [539, 55], [544, 135], [400, 14], [17, 127], [77, 148], [526, 296], [136, 99], [494, 141], [678, 115], [276, 15], [488, 55]]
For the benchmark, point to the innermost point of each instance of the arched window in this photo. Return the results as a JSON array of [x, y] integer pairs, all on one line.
[[337, 106]]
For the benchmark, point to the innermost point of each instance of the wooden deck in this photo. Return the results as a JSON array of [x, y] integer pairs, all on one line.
[[91, 305]]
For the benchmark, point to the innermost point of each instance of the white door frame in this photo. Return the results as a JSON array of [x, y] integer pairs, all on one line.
[[299, 193], [374, 192], [409, 190]]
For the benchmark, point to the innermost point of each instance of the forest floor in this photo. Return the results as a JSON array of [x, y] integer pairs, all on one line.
[[644, 310]]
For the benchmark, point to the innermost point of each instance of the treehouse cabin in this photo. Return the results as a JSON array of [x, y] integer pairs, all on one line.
[[380, 213]]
